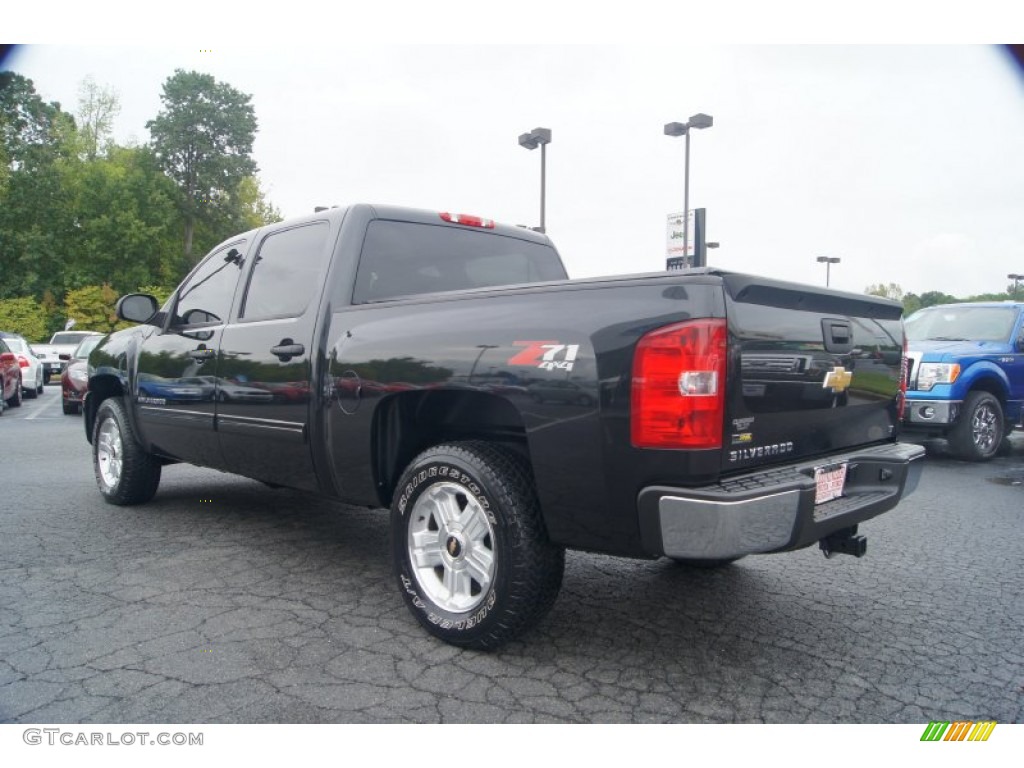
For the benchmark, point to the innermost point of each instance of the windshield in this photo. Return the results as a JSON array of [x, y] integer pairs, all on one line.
[[950, 322], [18, 346], [69, 338], [87, 346]]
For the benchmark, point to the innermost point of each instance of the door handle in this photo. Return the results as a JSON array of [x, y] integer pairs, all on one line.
[[287, 349], [202, 353]]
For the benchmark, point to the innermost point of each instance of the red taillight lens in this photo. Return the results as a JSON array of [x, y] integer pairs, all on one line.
[[678, 396], [22, 361], [467, 221]]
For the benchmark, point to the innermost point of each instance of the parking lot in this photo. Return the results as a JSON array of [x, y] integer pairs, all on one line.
[[225, 601]]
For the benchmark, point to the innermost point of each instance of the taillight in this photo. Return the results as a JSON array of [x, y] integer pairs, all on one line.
[[467, 221], [678, 398], [22, 361]]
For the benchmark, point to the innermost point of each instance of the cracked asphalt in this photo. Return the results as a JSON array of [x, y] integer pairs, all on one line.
[[223, 601]]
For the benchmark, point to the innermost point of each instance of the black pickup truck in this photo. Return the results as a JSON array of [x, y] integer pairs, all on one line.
[[445, 367]]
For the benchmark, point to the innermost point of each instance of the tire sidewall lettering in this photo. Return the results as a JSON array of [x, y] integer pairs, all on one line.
[[441, 471]]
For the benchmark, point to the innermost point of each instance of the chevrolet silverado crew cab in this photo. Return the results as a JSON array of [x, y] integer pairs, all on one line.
[[966, 375], [444, 366]]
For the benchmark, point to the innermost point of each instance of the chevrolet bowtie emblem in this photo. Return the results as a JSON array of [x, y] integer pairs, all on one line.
[[838, 379]]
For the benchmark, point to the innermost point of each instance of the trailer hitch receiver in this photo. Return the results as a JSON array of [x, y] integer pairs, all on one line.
[[844, 542]]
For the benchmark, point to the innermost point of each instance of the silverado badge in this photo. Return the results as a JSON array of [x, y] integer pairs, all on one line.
[[838, 379]]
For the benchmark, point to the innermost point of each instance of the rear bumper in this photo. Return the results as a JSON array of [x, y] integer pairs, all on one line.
[[774, 510]]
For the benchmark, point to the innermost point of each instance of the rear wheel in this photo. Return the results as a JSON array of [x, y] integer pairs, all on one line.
[[472, 558], [15, 400], [125, 473], [979, 430], [70, 409]]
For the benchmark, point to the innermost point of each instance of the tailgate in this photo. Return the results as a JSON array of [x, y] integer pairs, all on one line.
[[819, 371]]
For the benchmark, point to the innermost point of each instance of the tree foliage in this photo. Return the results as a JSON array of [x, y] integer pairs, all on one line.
[[84, 220], [97, 107], [25, 316], [203, 140], [92, 308], [36, 214], [885, 290], [127, 233]]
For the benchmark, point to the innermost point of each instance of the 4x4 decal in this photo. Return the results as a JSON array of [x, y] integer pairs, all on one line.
[[548, 355]]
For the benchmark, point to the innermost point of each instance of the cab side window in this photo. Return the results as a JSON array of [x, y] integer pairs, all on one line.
[[206, 298], [286, 274]]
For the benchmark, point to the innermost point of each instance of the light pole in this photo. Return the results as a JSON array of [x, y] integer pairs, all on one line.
[[828, 261], [539, 137], [699, 120], [1016, 279]]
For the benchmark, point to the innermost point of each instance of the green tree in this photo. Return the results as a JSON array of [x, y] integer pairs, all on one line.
[[203, 140], [25, 316], [126, 223], [931, 298], [911, 303], [30, 129], [92, 308], [887, 291], [253, 207], [97, 108], [37, 225]]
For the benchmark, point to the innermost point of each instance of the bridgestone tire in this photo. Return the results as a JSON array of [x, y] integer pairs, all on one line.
[[979, 430], [125, 473], [472, 557]]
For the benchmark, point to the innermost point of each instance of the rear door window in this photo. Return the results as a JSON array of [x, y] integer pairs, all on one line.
[[285, 275]]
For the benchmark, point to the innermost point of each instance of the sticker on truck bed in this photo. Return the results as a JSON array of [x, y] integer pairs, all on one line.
[[546, 355]]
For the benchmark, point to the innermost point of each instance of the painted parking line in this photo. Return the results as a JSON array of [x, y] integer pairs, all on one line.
[[43, 411]]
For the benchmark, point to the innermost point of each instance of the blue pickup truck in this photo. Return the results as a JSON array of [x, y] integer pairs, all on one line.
[[966, 375]]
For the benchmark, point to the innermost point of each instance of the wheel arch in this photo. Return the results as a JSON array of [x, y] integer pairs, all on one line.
[[101, 387], [991, 379], [406, 424]]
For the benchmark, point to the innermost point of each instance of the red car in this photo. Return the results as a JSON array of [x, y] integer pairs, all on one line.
[[74, 380], [10, 378]]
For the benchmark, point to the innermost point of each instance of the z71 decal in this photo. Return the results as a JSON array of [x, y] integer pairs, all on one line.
[[547, 355]]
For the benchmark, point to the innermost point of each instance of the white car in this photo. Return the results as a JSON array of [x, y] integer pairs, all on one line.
[[32, 376]]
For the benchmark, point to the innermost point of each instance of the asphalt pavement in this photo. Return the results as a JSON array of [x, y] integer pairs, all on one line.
[[225, 601]]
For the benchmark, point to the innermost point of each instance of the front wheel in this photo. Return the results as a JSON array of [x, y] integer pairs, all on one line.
[[125, 473], [472, 558], [979, 430]]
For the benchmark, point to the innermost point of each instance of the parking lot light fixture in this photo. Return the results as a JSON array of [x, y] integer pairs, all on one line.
[[700, 120], [539, 137], [828, 261]]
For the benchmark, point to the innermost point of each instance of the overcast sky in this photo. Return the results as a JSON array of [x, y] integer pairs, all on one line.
[[904, 161]]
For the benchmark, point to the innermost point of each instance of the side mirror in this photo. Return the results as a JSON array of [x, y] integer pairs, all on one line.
[[199, 317], [137, 307]]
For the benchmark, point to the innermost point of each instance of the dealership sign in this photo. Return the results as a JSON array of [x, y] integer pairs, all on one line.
[[674, 236]]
